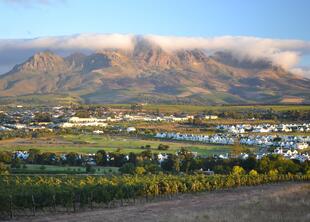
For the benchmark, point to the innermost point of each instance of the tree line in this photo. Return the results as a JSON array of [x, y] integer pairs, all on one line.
[[148, 162]]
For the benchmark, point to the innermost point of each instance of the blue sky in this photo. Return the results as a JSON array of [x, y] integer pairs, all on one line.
[[262, 19], [285, 19]]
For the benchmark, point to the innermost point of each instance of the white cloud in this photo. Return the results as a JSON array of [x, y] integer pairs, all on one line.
[[304, 72], [75, 42], [281, 52]]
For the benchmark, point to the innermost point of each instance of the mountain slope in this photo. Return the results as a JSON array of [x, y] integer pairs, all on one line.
[[150, 74]]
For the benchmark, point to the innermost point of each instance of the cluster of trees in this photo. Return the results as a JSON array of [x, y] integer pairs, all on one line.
[[148, 162], [74, 193], [267, 114]]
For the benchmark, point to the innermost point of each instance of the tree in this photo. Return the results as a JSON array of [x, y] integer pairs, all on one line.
[[43, 117], [33, 155], [132, 158], [167, 164], [163, 147], [117, 159], [253, 173], [264, 165], [5, 157], [82, 114], [238, 170], [140, 170], [176, 164], [250, 163], [101, 158], [47, 158], [73, 159], [136, 107], [186, 157], [127, 168], [152, 167], [273, 172], [3, 169], [146, 155]]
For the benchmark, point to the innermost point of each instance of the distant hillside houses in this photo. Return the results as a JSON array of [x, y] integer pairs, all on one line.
[[3, 128], [154, 118], [214, 139], [292, 154], [287, 142], [264, 128], [210, 117], [15, 126], [80, 122]]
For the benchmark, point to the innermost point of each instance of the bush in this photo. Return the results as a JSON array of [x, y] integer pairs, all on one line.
[[140, 170], [273, 173], [238, 170], [127, 168], [162, 147], [253, 173]]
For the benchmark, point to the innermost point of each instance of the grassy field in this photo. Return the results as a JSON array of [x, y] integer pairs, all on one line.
[[196, 109], [133, 145], [93, 143], [38, 100], [47, 169]]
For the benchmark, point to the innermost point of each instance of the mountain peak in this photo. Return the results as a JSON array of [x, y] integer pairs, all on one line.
[[76, 60], [147, 53], [43, 62], [156, 75]]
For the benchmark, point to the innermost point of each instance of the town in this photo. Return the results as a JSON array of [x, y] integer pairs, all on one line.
[[263, 138]]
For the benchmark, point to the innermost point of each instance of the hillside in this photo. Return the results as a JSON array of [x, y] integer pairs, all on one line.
[[147, 73]]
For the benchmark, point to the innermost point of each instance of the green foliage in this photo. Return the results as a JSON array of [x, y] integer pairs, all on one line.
[[128, 168], [253, 173], [140, 170], [163, 147], [25, 192], [238, 170], [3, 169], [273, 172], [101, 158], [43, 117]]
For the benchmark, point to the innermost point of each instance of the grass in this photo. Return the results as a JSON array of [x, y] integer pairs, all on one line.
[[196, 109], [133, 145], [273, 202], [38, 100], [52, 169], [93, 143]]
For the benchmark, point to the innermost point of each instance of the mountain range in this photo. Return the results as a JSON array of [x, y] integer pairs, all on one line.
[[149, 74]]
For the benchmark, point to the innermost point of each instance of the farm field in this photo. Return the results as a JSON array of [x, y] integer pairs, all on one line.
[[196, 109], [93, 143], [273, 202]]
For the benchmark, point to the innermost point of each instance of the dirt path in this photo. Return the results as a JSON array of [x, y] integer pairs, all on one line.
[[277, 202]]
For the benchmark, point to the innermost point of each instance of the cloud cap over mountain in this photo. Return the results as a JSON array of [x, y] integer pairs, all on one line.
[[285, 53]]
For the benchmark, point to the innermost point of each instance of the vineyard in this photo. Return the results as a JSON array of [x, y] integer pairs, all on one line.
[[31, 195]]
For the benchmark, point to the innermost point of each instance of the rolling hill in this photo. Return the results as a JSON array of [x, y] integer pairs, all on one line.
[[147, 73]]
